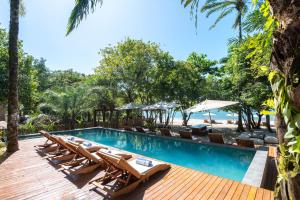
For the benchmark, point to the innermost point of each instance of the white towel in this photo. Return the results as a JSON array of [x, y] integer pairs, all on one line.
[[144, 162]]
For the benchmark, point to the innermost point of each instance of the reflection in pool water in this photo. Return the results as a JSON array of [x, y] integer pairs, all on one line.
[[222, 161]]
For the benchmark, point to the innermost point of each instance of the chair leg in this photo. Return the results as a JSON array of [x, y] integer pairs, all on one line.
[[124, 190]]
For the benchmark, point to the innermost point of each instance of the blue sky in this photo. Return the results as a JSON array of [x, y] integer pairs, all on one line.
[[162, 21]]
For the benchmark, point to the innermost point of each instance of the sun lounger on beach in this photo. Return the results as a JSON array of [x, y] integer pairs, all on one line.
[[127, 174], [216, 138]]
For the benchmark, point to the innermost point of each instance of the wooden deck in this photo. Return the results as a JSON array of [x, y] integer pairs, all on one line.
[[26, 175]]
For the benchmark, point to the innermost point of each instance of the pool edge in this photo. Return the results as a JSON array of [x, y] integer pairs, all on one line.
[[257, 169]]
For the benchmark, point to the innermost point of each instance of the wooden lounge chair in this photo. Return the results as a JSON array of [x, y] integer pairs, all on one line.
[[216, 138], [88, 161], [200, 131], [245, 143], [186, 134], [141, 129], [49, 145], [166, 132], [127, 174], [66, 151], [230, 122]]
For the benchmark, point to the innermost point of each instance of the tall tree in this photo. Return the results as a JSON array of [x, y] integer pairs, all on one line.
[[13, 60]]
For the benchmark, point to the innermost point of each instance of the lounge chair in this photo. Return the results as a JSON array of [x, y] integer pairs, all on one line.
[[166, 132], [200, 131], [141, 129], [245, 143], [230, 122], [127, 174], [216, 138], [186, 134], [88, 161], [49, 145]]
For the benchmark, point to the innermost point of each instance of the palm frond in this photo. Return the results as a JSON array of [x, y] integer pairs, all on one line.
[[221, 16], [81, 9]]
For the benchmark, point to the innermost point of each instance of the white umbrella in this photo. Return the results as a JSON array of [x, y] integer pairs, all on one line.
[[3, 125], [131, 106], [162, 105], [209, 105]]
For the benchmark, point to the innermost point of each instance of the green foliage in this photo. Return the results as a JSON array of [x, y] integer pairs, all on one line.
[[81, 9]]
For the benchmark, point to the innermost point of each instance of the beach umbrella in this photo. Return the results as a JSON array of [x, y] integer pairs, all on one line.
[[131, 106], [162, 105], [3, 125], [208, 105]]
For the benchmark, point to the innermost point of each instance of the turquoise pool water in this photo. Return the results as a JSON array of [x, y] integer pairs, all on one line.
[[226, 162]]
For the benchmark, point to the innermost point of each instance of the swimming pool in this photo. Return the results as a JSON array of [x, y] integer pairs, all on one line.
[[231, 163]]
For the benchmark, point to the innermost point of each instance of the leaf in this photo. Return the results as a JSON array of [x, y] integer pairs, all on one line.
[[290, 133], [297, 120]]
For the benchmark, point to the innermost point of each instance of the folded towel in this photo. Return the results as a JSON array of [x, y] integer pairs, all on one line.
[[87, 144], [144, 162], [71, 138]]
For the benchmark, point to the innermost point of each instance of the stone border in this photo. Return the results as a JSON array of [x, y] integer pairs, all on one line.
[[256, 172]]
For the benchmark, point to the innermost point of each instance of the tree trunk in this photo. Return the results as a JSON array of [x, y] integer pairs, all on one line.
[[268, 124], [240, 122], [2, 112], [286, 59], [12, 126], [258, 121]]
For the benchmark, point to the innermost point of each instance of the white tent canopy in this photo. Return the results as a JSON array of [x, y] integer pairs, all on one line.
[[131, 106], [162, 105], [209, 105]]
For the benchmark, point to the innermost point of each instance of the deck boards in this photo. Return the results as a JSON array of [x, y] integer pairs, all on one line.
[[26, 175]]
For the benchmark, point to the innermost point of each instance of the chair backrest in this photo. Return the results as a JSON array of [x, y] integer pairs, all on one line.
[[165, 132], [66, 145], [245, 143], [185, 134], [140, 129], [47, 135], [216, 138], [84, 152], [119, 163]]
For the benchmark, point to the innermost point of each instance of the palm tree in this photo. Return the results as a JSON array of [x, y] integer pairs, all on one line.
[[226, 7], [12, 126]]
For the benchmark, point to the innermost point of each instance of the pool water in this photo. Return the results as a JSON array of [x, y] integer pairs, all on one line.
[[227, 162]]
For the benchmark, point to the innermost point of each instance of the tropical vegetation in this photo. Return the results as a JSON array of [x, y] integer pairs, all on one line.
[[261, 71]]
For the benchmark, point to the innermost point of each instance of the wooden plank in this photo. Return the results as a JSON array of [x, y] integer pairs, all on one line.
[[187, 186], [267, 195], [252, 193], [259, 194], [238, 192], [219, 189], [245, 192], [224, 190]]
